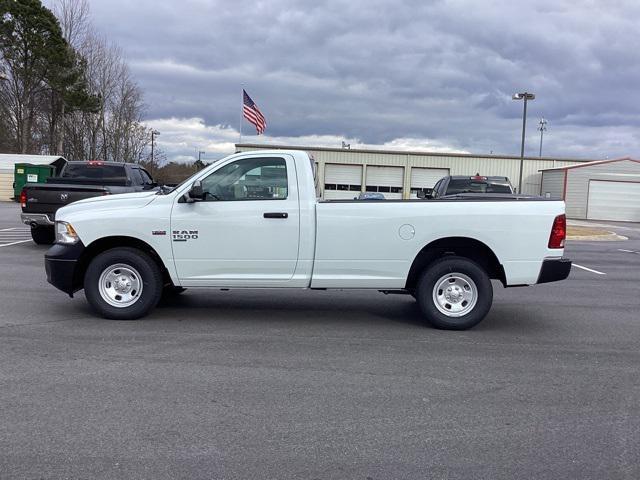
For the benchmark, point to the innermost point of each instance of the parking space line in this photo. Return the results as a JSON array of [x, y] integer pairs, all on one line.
[[627, 251], [589, 269], [13, 243]]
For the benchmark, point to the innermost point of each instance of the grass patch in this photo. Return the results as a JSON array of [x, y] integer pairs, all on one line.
[[574, 231]]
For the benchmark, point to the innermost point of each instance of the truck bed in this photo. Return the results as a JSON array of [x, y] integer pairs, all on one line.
[[372, 244], [48, 197]]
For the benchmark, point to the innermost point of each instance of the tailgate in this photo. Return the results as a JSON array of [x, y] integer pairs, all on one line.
[[47, 198]]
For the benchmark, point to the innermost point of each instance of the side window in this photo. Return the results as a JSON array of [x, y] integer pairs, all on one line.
[[248, 179], [146, 178], [436, 189], [136, 178]]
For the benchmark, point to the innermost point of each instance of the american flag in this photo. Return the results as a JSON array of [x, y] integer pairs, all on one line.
[[252, 113]]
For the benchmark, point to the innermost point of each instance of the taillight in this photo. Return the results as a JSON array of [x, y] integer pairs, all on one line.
[[558, 232], [23, 198]]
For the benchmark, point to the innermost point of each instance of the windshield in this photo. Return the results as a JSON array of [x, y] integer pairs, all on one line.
[[164, 190], [88, 171]]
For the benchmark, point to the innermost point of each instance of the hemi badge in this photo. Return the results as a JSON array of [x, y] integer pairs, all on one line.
[[159, 232]]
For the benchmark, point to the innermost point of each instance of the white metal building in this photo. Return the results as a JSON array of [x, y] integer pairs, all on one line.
[[7, 166], [344, 173], [600, 190]]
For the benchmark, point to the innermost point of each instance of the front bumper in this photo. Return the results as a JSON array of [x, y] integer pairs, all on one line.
[[61, 264], [554, 269], [36, 219]]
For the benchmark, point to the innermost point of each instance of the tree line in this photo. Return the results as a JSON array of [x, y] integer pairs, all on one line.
[[65, 89]]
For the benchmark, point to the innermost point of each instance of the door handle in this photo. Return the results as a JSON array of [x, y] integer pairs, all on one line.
[[276, 215]]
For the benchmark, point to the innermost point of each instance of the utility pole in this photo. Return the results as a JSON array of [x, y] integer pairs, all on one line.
[[542, 127], [154, 133], [523, 96], [200, 153]]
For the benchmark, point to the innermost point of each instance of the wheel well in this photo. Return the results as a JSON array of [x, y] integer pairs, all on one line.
[[462, 246], [106, 243]]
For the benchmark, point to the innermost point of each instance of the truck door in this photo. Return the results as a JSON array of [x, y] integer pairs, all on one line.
[[246, 230]]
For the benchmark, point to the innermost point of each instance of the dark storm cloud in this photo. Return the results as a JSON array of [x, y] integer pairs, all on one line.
[[378, 71]]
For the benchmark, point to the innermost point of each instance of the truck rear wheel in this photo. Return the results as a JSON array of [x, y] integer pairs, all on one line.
[[123, 284], [43, 235], [454, 293]]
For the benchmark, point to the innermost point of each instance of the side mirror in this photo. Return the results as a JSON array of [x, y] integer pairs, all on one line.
[[195, 194], [425, 193]]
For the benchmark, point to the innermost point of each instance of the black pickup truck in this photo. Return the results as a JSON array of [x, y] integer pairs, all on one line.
[[77, 180]]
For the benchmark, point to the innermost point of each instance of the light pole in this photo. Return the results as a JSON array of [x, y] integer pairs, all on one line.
[[154, 133], [200, 153], [542, 127], [523, 96]]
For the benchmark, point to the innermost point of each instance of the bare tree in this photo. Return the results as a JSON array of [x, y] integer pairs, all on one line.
[[75, 21], [114, 131]]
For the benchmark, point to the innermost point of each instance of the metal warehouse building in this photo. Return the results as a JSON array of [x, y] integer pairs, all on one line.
[[344, 173], [7, 166], [600, 190]]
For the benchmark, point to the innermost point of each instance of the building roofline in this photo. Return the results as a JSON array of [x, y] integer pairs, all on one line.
[[589, 164], [25, 155], [404, 152]]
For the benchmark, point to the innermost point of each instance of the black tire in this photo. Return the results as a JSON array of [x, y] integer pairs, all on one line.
[[445, 270], [150, 277], [43, 235]]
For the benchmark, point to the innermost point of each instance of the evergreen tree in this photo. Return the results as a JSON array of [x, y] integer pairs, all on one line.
[[45, 74]]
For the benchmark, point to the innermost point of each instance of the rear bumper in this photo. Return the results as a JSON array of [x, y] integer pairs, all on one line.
[[554, 269], [36, 219], [61, 265]]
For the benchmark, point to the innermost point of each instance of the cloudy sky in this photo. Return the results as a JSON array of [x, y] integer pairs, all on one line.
[[421, 75]]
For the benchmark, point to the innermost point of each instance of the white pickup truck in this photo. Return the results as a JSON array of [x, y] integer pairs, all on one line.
[[253, 220]]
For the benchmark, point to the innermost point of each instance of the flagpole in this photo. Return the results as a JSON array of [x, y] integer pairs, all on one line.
[[241, 108]]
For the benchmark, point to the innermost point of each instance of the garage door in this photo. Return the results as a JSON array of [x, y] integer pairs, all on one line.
[[6, 186], [614, 201], [386, 180], [342, 182], [422, 178]]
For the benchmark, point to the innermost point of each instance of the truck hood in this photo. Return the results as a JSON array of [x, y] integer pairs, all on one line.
[[108, 202]]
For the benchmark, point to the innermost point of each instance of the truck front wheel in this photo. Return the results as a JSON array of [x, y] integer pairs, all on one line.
[[454, 293], [123, 284], [43, 235]]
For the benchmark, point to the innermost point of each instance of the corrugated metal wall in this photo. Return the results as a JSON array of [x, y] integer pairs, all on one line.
[[578, 182], [553, 183], [6, 186], [457, 164]]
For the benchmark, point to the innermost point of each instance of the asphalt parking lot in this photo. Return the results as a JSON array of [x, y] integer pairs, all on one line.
[[322, 385]]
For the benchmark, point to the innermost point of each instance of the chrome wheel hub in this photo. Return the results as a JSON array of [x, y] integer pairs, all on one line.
[[455, 294], [120, 285]]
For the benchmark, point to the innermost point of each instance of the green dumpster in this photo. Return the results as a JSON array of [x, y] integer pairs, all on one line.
[[28, 173]]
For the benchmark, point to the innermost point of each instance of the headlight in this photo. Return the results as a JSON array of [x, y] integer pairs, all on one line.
[[65, 233]]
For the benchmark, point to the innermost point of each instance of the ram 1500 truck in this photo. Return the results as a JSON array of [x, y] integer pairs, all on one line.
[[253, 220], [77, 181]]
